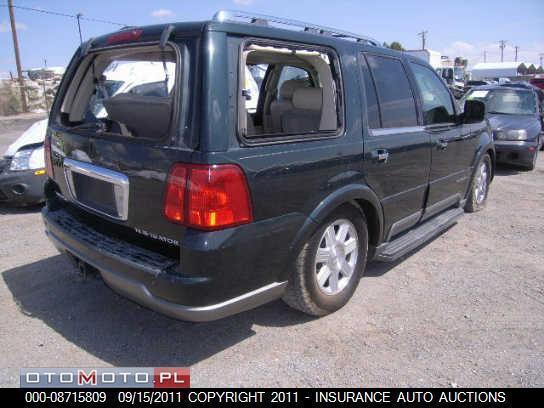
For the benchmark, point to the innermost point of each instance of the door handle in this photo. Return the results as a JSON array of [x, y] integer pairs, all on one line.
[[442, 144], [380, 155]]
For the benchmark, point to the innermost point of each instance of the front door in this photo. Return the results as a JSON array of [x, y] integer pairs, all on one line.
[[452, 143]]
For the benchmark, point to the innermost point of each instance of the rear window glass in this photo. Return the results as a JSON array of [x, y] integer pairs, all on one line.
[[127, 92], [397, 105]]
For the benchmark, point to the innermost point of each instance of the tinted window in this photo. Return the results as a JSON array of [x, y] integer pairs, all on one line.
[[435, 97], [397, 106], [371, 99]]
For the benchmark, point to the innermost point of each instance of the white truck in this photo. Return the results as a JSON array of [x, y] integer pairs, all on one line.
[[453, 75]]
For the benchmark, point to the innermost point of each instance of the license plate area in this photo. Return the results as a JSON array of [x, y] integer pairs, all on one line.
[[96, 188]]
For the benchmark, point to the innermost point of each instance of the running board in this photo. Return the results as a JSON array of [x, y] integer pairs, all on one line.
[[393, 250]]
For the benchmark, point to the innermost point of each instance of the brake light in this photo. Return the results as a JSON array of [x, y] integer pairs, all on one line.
[[208, 197], [124, 36], [47, 156]]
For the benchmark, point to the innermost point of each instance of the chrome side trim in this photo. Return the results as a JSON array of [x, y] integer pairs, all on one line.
[[396, 130], [120, 185]]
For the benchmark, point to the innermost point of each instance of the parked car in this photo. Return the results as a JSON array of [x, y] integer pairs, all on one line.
[[22, 168], [472, 83], [540, 95], [515, 119], [537, 81], [199, 206]]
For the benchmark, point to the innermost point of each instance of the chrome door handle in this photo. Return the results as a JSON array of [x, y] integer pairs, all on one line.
[[380, 155]]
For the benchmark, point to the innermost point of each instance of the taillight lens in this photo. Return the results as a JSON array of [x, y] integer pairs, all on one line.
[[47, 156], [207, 197]]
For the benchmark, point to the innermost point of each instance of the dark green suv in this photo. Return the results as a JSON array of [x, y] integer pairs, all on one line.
[[206, 168]]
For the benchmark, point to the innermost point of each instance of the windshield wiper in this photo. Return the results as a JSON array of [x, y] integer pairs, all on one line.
[[99, 126]]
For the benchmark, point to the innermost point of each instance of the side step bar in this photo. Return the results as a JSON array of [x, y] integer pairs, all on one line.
[[393, 250]]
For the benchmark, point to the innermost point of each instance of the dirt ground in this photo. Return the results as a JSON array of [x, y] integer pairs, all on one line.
[[467, 309]]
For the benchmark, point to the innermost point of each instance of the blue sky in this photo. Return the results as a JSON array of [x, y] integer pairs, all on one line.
[[454, 27]]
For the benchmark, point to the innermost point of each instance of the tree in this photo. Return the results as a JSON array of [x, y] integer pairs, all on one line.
[[540, 70], [458, 61], [464, 62], [395, 45], [522, 69], [531, 69], [386, 45]]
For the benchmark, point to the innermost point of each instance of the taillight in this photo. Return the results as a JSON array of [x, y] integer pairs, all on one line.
[[124, 36], [207, 197], [47, 154]]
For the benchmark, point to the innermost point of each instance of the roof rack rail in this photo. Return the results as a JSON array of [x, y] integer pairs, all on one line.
[[262, 19]]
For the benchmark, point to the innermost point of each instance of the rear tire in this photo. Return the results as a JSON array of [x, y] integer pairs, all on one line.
[[479, 187], [330, 264]]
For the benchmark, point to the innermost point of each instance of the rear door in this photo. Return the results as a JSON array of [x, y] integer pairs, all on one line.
[[453, 144], [397, 148]]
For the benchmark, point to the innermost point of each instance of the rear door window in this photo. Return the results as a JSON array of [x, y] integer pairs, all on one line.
[[395, 97]]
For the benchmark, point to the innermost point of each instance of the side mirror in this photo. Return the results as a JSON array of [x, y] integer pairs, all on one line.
[[473, 111]]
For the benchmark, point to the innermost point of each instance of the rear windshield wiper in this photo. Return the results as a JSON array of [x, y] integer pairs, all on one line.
[[99, 126]]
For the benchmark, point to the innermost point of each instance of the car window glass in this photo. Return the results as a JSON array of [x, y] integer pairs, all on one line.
[[288, 73], [436, 100], [396, 101], [372, 112]]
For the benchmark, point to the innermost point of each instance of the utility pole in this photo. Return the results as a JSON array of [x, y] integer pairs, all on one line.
[[517, 48], [541, 55], [502, 46], [423, 36], [43, 86], [78, 16], [17, 57]]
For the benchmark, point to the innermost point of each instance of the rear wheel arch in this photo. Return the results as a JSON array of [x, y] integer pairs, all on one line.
[[360, 197]]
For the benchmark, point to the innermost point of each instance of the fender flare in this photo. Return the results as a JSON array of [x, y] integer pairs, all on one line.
[[346, 194]]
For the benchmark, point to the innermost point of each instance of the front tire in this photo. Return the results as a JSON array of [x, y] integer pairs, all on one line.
[[531, 165], [479, 186], [330, 264]]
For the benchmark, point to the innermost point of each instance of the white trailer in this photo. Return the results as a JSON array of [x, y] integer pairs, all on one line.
[[433, 58]]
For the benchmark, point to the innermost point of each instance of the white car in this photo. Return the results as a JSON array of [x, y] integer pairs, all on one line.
[[22, 169]]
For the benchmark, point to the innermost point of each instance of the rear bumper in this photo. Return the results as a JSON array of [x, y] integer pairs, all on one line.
[[516, 152], [21, 187], [149, 278]]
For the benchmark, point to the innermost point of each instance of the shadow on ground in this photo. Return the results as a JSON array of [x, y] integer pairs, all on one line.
[[93, 317], [9, 210]]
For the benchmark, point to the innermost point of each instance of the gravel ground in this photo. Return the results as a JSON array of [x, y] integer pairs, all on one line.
[[467, 309]]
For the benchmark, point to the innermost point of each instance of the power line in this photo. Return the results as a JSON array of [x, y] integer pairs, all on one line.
[[74, 16]]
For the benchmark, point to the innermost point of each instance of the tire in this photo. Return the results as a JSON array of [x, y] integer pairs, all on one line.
[[303, 291], [477, 199], [531, 165]]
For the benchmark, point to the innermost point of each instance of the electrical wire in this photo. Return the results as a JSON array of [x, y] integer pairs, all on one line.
[[56, 13]]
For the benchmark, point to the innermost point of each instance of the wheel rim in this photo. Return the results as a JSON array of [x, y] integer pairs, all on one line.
[[481, 183], [336, 256]]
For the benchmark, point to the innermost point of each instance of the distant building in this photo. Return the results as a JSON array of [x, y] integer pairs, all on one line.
[[485, 70]]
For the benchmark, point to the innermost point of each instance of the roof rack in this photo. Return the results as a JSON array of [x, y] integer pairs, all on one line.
[[264, 20]]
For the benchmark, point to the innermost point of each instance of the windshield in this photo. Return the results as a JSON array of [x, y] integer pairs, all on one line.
[[504, 101]]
